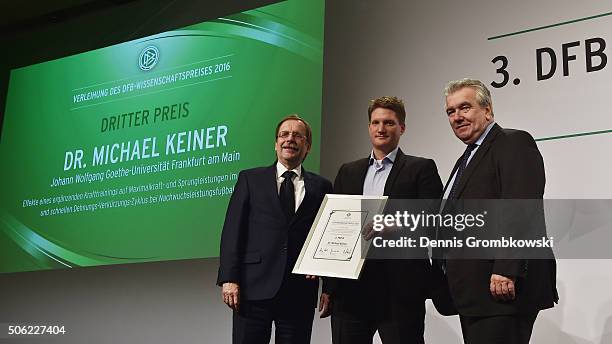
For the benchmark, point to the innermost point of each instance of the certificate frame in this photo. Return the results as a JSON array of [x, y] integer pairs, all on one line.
[[332, 247]]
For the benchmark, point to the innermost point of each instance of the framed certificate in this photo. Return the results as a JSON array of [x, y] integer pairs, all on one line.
[[334, 246]]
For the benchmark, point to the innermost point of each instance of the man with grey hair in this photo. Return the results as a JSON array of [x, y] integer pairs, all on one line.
[[497, 299]]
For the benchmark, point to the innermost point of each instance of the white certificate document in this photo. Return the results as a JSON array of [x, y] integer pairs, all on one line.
[[341, 235], [334, 246]]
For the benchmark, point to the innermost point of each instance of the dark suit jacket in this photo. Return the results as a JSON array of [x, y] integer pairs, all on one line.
[[410, 178], [259, 244], [507, 165]]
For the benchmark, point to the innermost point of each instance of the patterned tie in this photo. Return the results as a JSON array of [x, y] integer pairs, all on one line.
[[464, 160], [287, 194]]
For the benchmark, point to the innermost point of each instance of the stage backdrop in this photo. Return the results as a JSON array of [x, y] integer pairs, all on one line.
[[548, 65], [130, 153], [373, 48]]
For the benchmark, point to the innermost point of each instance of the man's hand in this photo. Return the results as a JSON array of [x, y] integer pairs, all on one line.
[[324, 305], [502, 288], [231, 295], [369, 232], [312, 277]]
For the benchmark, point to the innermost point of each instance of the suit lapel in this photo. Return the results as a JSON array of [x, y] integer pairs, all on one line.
[[362, 167], [452, 174], [398, 164], [308, 194], [477, 158]]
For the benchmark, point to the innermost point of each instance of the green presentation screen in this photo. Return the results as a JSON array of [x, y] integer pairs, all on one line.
[[130, 153]]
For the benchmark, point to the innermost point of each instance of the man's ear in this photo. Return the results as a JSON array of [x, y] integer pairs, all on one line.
[[489, 113]]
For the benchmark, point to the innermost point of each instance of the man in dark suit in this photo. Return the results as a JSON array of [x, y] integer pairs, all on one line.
[[389, 296], [267, 221], [497, 299]]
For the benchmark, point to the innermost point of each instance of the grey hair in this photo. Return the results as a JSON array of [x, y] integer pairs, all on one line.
[[483, 96]]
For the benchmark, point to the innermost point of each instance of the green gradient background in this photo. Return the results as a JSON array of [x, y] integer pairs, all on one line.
[[276, 69]]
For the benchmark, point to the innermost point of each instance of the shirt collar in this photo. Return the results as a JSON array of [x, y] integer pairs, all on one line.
[[484, 135], [280, 169], [390, 157]]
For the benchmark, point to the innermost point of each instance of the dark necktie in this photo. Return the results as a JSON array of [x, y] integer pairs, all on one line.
[[287, 194], [464, 161]]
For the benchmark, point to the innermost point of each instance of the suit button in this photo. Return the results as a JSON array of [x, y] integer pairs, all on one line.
[[284, 248]]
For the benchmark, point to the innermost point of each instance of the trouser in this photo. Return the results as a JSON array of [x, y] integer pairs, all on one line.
[[501, 329]]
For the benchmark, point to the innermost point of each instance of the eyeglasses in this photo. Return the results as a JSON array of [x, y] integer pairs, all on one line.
[[295, 134]]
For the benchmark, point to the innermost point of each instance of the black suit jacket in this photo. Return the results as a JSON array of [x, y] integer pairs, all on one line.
[[410, 178], [507, 165], [259, 244]]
